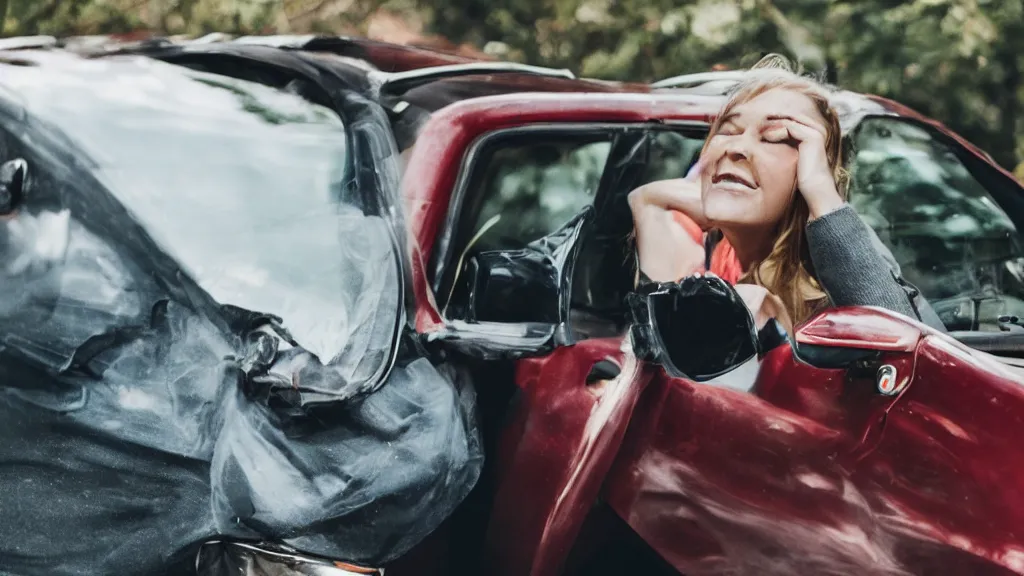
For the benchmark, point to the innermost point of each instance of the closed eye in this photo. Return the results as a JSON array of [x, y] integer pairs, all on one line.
[[779, 137], [787, 141]]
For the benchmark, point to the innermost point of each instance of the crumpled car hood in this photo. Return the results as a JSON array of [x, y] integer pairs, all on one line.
[[198, 317]]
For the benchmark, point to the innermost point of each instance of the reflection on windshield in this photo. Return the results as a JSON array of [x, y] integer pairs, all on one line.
[[239, 183], [950, 237]]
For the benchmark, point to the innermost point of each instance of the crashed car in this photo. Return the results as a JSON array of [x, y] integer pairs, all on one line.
[[402, 230], [204, 327]]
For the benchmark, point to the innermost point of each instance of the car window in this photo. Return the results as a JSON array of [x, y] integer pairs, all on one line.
[[534, 186], [605, 269], [950, 237], [242, 185], [672, 155]]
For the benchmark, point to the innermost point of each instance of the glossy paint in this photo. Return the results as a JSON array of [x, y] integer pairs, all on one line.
[[815, 472], [555, 454], [795, 476], [861, 328]]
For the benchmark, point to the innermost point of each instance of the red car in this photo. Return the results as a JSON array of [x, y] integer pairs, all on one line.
[[868, 443]]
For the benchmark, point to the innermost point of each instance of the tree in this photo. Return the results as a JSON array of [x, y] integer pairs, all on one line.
[[960, 61]]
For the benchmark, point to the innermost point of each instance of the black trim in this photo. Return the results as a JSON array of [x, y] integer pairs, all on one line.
[[831, 357]]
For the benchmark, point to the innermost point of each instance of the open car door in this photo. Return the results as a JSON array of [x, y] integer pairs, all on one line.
[[519, 244]]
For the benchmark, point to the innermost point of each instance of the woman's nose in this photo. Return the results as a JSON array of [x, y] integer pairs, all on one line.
[[737, 150], [739, 147]]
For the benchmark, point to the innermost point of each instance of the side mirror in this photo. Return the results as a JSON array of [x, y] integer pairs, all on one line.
[[699, 328], [529, 285], [13, 175]]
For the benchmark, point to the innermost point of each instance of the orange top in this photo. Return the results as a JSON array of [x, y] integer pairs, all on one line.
[[723, 259]]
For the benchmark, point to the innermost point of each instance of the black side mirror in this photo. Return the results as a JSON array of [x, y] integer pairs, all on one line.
[[13, 175], [699, 328], [530, 285]]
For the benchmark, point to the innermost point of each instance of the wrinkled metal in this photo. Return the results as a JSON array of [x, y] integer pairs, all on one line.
[[201, 308], [242, 559]]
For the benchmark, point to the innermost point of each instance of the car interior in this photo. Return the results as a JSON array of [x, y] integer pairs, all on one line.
[[950, 220], [524, 186]]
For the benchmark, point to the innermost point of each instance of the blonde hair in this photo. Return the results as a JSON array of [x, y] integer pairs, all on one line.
[[787, 271]]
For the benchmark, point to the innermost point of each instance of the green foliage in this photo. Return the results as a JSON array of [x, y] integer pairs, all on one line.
[[961, 61]]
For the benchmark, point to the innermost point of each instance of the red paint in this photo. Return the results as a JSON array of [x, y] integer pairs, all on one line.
[[555, 455], [434, 166], [815, 472], [863, 328], [945, 479]]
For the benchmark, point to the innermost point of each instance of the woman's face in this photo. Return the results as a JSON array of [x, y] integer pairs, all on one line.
[[748, 177]]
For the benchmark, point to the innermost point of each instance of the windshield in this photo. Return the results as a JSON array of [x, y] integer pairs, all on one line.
[[952, 240], [240, 184]]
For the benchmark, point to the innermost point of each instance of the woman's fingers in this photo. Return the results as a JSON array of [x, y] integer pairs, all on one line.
[[815, 179], [780, 130], [800, 120]]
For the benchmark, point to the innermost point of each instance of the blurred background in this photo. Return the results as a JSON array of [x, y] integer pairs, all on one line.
[[959, 61]]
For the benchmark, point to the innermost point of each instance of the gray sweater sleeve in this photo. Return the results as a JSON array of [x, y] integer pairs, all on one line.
[[855, 268]]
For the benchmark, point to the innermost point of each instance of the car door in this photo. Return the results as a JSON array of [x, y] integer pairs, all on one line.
[[497, 175], [724, 480]]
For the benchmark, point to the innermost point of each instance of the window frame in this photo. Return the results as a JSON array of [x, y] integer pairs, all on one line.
[[449, 237], [445, 253]]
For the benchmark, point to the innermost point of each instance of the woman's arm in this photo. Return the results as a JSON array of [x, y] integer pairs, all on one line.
[[665, 252], [679, 194], [856, 269]]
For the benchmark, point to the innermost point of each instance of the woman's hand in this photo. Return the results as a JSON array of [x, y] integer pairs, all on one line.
[[814, 177]]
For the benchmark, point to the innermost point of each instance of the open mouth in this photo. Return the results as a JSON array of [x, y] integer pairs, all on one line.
[[734, 178]]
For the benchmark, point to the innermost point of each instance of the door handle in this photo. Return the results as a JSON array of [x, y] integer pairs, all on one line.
[[603, 370]]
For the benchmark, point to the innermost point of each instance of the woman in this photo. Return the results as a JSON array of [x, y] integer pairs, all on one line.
[[770, 184]]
